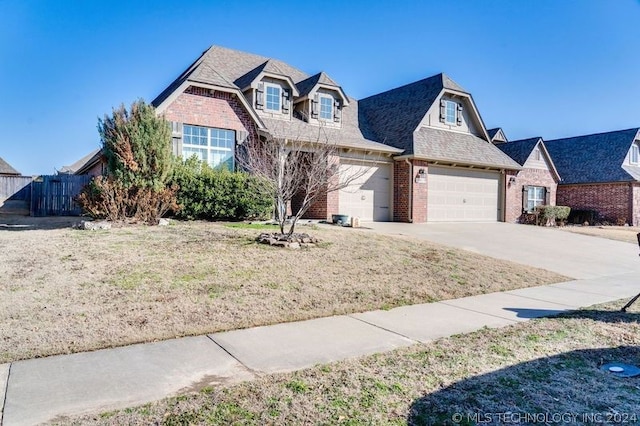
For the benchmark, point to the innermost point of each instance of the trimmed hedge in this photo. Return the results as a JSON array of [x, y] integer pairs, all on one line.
[[218, 194], [549, 214]]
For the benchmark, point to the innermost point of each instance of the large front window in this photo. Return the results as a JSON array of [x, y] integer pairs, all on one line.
[[535, 197], [326, 107], [213, 146], [273, 97]]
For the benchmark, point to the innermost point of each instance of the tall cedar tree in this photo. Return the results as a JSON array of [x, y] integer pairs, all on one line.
[[137, 146]]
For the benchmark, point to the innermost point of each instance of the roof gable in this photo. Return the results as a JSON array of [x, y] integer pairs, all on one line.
[[497, 135], [395, 114], [321, 79], [7, 169], [519, 150], [593, 158]]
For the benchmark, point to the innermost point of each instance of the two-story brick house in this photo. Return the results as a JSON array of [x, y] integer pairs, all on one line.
[[422, 149]]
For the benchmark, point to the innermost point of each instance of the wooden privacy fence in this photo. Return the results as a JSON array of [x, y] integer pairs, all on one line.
[[54, 195], [15, 194]]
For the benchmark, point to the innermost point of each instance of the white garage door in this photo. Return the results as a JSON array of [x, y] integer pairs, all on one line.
[[459, 195], [369, 195]]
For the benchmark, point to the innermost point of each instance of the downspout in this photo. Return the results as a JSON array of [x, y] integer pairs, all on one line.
[[406, 160]]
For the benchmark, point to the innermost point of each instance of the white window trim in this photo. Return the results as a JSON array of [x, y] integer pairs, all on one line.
[[634, 152], [209, 147], [455, 112], [266, 103], [332, 100], [531, 197]]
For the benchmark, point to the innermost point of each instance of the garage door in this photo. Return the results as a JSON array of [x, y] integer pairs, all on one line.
[[460, 195], [369, 195]]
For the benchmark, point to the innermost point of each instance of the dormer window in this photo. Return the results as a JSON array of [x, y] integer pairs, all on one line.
[[633, 156], [326, 108], [451, 112], [273, 95]]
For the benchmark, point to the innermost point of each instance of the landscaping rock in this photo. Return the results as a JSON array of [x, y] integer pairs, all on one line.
[[163, 222], [294, 241], [93, 226]]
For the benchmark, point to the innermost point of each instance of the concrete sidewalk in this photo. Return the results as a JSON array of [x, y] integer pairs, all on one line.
[[41, 390]]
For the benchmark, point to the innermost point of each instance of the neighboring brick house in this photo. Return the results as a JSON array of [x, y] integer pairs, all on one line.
[[91, 164], [536, 184], [600, 172], [7, 170]]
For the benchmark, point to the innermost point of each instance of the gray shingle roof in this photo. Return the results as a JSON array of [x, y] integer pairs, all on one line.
[[305, 86], [352, 134], [396, 113], [225, 67], [88, 160], [519, 150], [594, 158], [461, 148], [7, 169]]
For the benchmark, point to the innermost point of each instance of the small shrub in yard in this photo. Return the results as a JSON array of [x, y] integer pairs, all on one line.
[[106, 198], [215, 194], [550, 214]]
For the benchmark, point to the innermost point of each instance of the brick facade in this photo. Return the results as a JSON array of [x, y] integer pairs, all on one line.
[[204, 107], [419, 192], [612, 201], [401, 185], [404, 176], [326, 204], [526, 177]]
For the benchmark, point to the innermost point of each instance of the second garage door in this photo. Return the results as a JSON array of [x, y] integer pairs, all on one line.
[[461, 195], [369, 195]]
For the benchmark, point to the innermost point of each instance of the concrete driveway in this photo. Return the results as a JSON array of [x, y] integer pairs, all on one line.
[[573, 255]]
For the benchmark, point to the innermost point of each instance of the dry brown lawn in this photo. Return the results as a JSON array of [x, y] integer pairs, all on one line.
[[64, 290], [618, 233], [546, 369]]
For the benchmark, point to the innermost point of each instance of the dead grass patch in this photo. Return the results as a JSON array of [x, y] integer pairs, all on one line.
[[64, 290], [618, 233], [547, 367]]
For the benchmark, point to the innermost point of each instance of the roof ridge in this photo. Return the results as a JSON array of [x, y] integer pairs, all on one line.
[[413, 83], [594, 134]]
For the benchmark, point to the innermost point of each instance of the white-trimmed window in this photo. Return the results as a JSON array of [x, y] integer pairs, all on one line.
[[326, 108], [634, 154], [450, 112], [213, 146], [535, 197], [273, 95]]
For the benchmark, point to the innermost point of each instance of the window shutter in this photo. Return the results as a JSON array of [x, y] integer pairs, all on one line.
[[525, 198], [314, 106], [260, 96], [285, 101], [443, 111], [337, 111], [547, 196], [176, 138], [459, 115]]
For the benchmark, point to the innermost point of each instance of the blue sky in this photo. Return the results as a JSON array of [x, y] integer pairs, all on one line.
[[536, 68]]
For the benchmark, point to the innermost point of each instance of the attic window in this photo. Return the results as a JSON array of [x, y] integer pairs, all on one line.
[[451, 112], [536, 154], [633, 157], [273, 96], [326, 108]]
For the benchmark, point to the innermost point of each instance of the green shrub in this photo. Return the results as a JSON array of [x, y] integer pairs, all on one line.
[[549, 214], [218, 194]]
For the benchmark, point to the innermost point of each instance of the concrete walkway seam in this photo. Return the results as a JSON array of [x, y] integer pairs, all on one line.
[[5, 389], [384, 329], [256, 373]]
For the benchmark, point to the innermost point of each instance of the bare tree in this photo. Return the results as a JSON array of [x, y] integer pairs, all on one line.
[[292, 169]]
